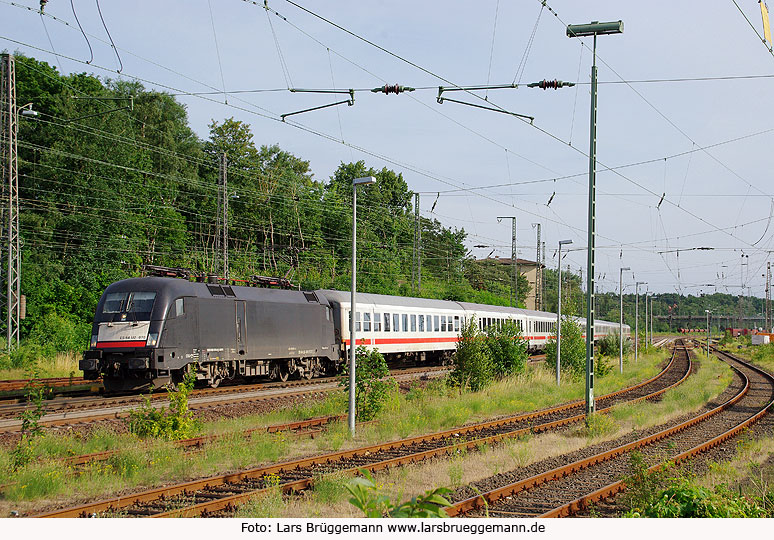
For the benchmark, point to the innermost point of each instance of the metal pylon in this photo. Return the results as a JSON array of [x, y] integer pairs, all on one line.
[[11, 255]]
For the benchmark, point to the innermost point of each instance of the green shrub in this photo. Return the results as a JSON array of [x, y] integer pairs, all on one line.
[[473, 366], [174, 423], [609, 346], [573, 358], [371, 392], [368, 498], [507, 349]]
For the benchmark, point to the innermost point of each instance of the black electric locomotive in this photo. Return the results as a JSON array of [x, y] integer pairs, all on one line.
[[151, 331]]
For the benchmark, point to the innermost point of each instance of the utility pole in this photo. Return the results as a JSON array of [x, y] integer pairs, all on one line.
[[416, 267], [585, 30], [538, 273], [514, 255], [221, 222], [543, 278], [10, 201], [768, 297]]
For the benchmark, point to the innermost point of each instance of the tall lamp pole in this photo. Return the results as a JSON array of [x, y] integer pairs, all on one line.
[[647, 293], [353, 306], [620, 321], [595, 28], [559, 314], [637, 317], [708, 311]]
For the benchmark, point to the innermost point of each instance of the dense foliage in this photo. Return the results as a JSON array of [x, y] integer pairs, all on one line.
[[104, 192], [373, 385], [482, 358]]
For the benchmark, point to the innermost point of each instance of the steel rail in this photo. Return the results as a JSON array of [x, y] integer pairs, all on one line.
[[488, 498], [117, 503]]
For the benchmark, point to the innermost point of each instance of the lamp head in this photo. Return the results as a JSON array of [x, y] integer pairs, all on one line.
[[564, 242], [594, 28], [364, 180]]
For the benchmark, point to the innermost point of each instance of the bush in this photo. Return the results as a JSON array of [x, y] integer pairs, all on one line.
[[573, 358], [506, 348], [609, 346], [371, 392], [473, 367], [174, 423], [684, 499], [367, 497]]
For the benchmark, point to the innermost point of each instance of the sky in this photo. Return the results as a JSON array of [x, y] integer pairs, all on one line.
[[684, 112]]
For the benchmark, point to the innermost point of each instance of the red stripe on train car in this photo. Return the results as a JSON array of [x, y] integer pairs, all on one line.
[[120, 344]]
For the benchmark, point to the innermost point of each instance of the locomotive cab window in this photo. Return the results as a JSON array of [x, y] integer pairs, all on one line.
[[139, 304], [176, 309]]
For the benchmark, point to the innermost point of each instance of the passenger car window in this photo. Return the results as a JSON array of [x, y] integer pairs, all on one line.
[[395, 322], [377, 322], [366, 322], [386, 322], [421, 323], [413, 323]]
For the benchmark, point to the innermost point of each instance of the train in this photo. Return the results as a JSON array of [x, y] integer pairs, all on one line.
[[149, 332]]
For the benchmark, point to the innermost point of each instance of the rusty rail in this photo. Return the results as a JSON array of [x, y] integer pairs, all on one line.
[[488, 498]]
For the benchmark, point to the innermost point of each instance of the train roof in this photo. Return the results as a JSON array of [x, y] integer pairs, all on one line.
[[400, 301], [170, 288]]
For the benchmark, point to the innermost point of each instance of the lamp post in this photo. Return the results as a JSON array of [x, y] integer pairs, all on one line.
[[583, 30], [637, 317], [559, 313], [353, 308], [620, 321], [708, 311], [647, 293]]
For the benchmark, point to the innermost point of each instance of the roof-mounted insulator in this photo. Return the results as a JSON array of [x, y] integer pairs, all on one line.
[[394, 89], [545, 85]]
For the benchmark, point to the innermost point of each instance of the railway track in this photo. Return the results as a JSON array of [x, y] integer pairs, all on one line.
[[573, 487], [73, 411], [221, 494]]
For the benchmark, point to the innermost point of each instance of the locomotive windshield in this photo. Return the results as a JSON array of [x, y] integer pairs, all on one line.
[[139, 304]]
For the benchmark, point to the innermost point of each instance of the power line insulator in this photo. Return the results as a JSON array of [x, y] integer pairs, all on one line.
[[545, 85], [394, 89]]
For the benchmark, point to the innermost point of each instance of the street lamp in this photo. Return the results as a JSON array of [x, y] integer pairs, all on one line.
[[582, 30], [637, 317], [708, 311], [620, 321], [559, 313], [352, 310]]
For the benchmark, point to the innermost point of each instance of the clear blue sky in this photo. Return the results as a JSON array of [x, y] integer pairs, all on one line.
[[719, 197]]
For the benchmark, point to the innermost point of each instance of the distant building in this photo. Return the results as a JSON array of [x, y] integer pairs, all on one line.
[[528, 269]]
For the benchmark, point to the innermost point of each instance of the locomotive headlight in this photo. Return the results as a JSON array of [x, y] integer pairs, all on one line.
[[152, 339], [93, 343]]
